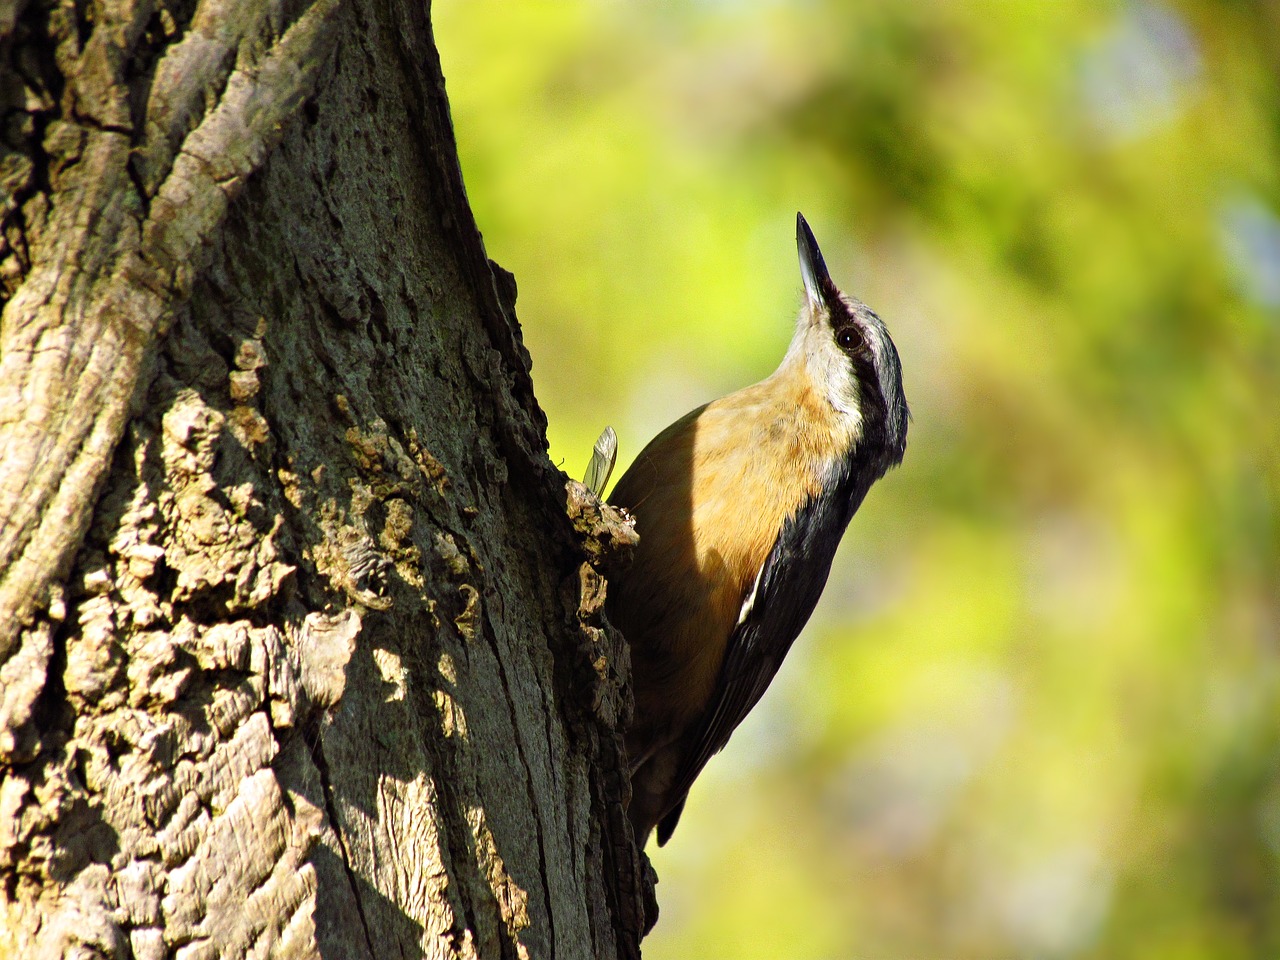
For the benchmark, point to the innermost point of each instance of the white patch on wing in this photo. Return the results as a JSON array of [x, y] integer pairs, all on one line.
[[751, 597]]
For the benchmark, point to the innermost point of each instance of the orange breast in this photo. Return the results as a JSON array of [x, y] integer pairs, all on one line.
[[710, 495]]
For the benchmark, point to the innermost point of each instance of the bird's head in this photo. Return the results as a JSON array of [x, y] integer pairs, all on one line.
[[850, 359]]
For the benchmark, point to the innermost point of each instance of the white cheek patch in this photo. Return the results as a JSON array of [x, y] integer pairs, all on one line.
[[831, 372], [813, 349]]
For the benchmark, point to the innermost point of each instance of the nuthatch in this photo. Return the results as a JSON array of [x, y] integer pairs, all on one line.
[[740, 505]]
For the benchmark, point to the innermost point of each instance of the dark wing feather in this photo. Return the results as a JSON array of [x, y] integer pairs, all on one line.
[[791, 582]]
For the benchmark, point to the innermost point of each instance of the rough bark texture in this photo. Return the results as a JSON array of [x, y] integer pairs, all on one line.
[[301, 642]]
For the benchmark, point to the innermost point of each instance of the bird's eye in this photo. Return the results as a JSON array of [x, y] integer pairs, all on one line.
[[850, 339]]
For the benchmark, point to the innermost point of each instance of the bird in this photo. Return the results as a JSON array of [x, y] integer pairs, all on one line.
[[739, 506]]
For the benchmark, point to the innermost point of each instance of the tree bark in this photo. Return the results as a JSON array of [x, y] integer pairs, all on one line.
[[302, 650]]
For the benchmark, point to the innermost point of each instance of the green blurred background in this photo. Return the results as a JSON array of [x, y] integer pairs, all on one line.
[[1037, 713]]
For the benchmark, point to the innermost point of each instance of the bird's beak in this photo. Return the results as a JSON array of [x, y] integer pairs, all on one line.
[[813, 269]]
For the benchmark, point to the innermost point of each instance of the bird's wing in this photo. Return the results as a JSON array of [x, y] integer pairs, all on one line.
[[786, 591]]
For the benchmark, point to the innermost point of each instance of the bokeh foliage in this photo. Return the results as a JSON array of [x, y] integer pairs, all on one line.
[[1038, 710]]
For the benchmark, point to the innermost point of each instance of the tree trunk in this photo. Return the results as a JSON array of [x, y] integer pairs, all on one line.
[[301, 643]]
